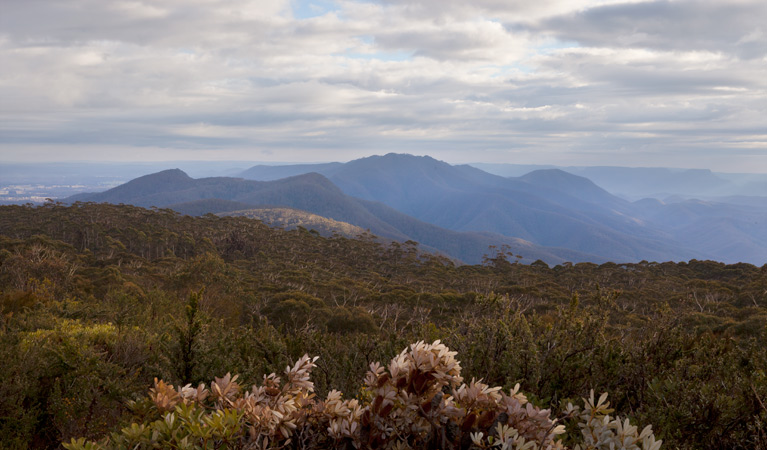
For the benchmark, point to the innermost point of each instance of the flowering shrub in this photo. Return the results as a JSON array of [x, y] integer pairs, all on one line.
[[599, 430], [418, 401]]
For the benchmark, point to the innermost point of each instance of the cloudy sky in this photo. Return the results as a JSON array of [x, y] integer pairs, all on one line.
[[569, 82]]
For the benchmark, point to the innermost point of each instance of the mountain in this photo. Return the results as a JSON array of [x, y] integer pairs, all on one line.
[[315, 194], [640, 182], [570, 186], [474, 245], [655, 182], [137, 190], [511, 170], [271, 173], [460, 210], [732, 232], [309, 192], [547, 208]]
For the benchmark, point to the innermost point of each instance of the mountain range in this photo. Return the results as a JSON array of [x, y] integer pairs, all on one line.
[[635, 183], [460, 210], [315, 194]]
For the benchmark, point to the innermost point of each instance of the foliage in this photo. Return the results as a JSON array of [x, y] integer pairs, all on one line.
[[98, 300], [419, 401]]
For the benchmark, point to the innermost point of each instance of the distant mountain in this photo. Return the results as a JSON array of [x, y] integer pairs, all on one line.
[[655, 182], [309, 192], [271, 173], [474, 245], [732, 232], [567, 189], [511, 170], [547, 214], [315, 194], [138, 190], [573, 186], [547, 208], [640, 182]]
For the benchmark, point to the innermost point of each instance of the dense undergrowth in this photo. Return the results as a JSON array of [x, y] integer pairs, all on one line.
[[419, 401], [98, 300]]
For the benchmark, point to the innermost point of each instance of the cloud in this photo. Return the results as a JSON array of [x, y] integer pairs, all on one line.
[[602, 82], [735, 27]]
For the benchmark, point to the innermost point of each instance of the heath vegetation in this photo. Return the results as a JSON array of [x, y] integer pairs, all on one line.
[[112, 317]]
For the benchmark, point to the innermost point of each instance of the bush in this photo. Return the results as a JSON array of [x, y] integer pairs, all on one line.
[[420, 400]]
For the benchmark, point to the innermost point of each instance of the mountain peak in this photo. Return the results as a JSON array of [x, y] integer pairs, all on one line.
[[574, 187], [392, 159], [171, 178], [136, 191], [169, 175], [407, 157]]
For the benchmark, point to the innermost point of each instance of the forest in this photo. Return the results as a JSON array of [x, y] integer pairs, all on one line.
[[105, 308]]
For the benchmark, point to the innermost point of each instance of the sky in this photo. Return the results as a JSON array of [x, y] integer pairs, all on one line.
[[564, 82]]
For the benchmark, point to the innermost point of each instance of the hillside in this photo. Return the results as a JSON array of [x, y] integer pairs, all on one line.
[[290, 219], [96, 300]]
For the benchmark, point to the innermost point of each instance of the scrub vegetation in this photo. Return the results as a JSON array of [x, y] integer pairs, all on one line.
[[112, 317]]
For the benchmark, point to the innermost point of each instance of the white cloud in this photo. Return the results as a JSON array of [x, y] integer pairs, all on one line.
[[550, 81]]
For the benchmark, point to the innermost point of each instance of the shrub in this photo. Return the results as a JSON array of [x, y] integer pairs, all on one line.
[[420, 400]]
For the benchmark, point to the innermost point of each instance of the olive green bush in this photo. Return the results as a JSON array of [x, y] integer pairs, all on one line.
[[95, 303]]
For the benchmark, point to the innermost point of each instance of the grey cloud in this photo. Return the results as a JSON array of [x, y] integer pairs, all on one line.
[[731, 27], [193, 76], [638, 80], [191, 24], [443, 46], [441, 10]]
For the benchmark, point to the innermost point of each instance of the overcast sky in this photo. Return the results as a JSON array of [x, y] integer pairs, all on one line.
[[567, 82]]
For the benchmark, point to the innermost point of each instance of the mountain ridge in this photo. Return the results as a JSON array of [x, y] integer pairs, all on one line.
[[316, 194], [557, 214], [464, 198]]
